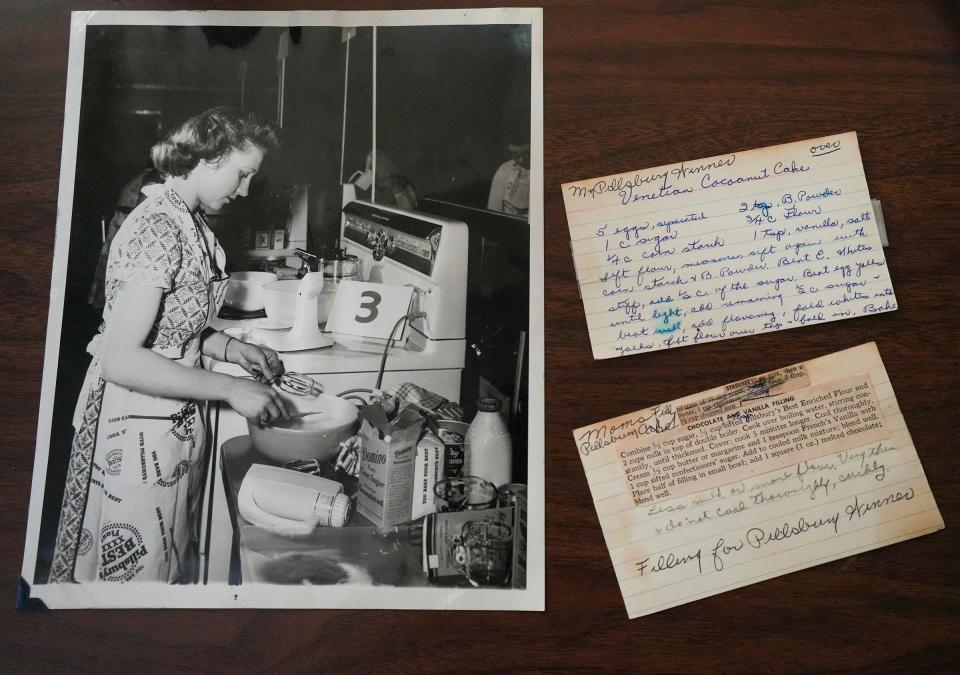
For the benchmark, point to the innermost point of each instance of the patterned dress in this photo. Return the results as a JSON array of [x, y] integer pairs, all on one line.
[[137, 461]]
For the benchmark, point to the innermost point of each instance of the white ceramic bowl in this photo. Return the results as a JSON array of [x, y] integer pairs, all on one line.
[[245, 290], [280, 300], [312, 437]]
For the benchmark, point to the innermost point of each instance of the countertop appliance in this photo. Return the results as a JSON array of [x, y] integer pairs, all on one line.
[[289, 502]]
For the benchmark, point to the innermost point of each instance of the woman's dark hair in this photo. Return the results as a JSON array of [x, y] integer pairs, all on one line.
[[209, 136]]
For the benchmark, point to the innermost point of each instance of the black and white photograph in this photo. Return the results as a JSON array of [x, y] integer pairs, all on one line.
[[294, 350]]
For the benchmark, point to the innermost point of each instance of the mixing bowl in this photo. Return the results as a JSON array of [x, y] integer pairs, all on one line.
[[280, 300], [312, 437], [245, 290]]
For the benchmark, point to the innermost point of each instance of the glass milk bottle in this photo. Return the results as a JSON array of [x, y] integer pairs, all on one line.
[[488, 446]]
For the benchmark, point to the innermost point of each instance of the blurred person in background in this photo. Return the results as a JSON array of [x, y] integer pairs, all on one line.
[[510, 187]]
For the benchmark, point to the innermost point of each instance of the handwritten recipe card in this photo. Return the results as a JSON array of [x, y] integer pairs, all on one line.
[[755, 479], [727, 246]]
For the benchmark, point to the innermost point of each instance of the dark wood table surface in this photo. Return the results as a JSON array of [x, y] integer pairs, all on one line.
[[627, 84]]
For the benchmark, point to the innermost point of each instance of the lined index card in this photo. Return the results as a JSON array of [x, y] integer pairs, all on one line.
[[727, 246]]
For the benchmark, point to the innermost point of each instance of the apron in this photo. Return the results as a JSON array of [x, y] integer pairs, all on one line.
[[137, 464]]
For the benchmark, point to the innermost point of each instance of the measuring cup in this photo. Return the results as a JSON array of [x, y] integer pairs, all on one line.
[[483, 551]]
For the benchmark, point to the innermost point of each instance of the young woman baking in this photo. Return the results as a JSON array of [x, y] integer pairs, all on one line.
[[137, 461]]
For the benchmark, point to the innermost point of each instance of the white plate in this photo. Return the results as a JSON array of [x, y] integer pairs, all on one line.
[[271, 324]]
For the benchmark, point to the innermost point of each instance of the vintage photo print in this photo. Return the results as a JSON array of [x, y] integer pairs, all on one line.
[[295, 343]]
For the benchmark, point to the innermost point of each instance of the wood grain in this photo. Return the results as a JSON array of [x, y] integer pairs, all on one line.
[[627, 84]]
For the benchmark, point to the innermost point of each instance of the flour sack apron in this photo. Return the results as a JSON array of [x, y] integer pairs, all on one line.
[[137, 467]]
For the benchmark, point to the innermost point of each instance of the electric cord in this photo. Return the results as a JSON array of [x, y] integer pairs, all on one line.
[[386, 348]]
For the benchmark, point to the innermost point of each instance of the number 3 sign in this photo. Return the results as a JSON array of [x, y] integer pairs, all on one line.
[[368, 310]]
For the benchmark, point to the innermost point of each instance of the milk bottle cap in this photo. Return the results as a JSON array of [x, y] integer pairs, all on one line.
[[488, 405]]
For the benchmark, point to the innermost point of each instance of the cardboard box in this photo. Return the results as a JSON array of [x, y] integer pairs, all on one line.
[[427, 471], [388, 452], [453, 435]]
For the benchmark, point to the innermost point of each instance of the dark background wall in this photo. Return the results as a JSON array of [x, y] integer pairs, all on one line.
[[448, 101]]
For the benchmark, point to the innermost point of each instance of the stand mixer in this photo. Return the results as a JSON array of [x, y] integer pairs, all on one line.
[[305, 333]]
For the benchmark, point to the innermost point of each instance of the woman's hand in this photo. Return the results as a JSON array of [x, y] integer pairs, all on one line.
[[256, 401], [261, 362]]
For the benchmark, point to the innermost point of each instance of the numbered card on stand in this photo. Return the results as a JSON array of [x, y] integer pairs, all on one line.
[[368, 310]]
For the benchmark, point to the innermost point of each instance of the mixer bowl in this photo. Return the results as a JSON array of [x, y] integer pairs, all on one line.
[[312, 437], [245, 290], [280, 300]]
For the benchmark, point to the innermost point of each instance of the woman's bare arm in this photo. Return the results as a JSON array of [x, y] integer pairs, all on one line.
[[127, 362]]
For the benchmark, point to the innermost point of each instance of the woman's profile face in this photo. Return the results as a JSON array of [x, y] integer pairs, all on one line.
[[219, 183]]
